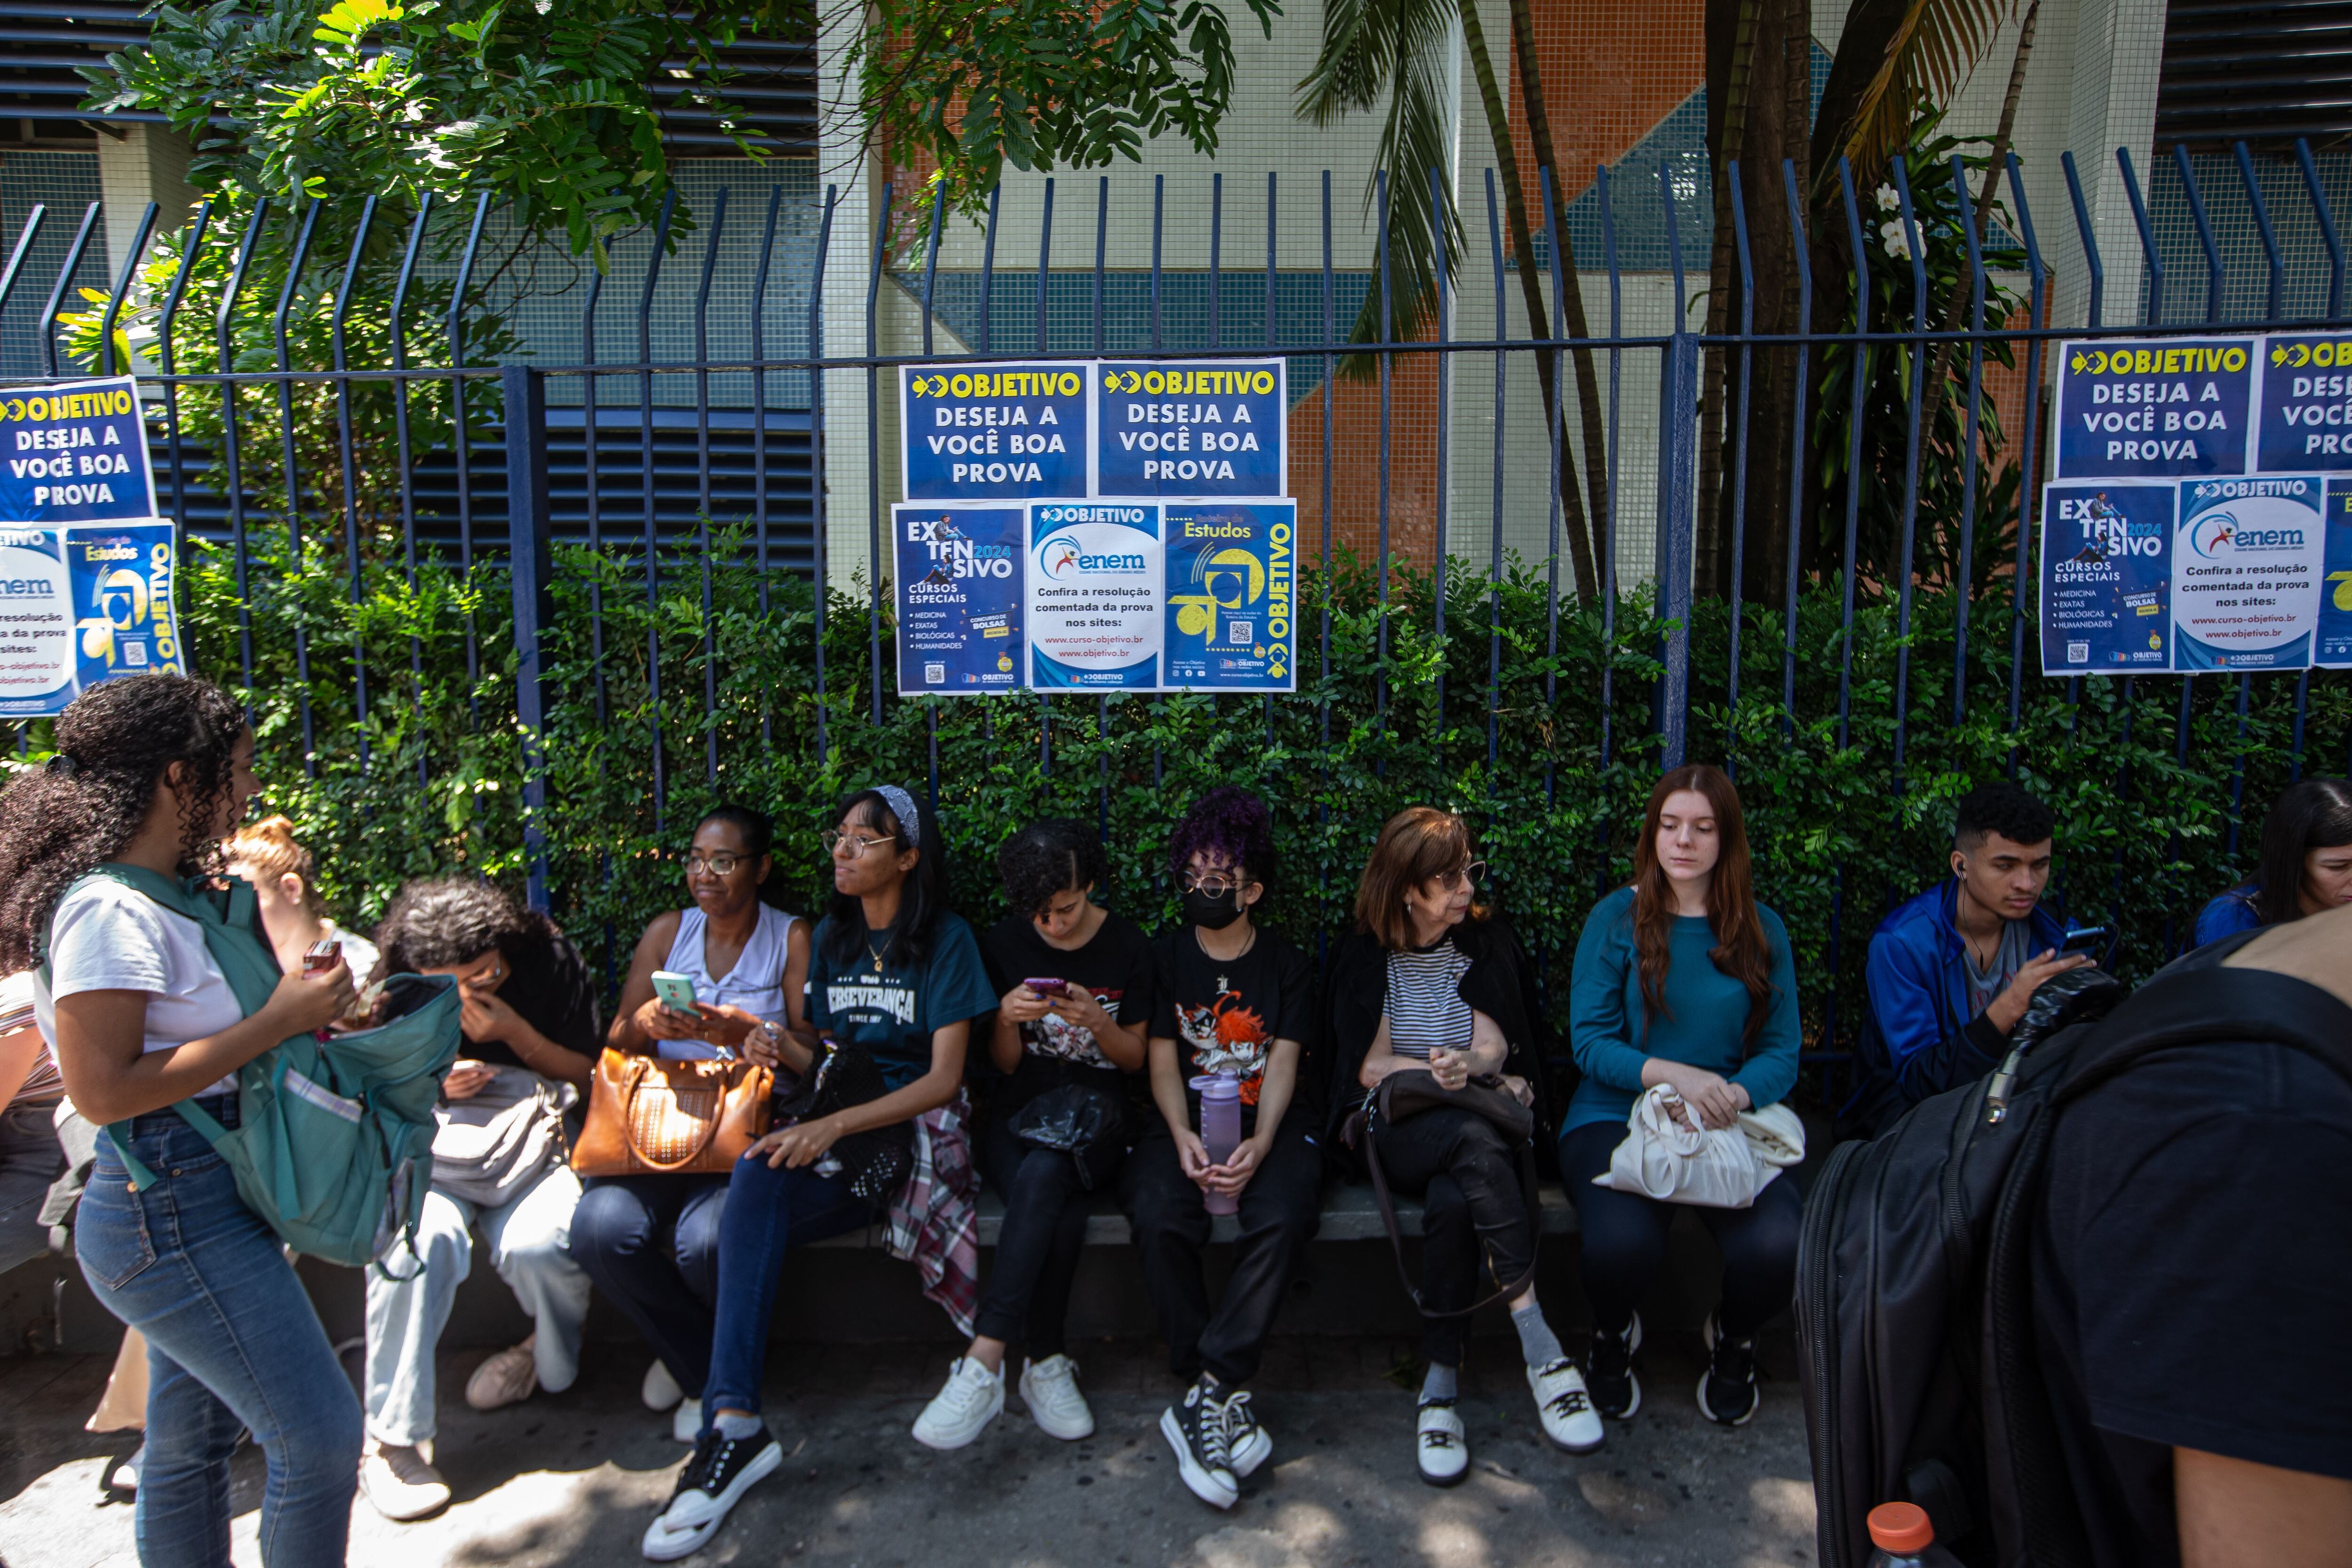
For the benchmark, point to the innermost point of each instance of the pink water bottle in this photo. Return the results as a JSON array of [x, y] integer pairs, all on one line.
[[1220, 1130]]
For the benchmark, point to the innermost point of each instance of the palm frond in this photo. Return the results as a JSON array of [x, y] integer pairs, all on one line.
[[1937, 45]]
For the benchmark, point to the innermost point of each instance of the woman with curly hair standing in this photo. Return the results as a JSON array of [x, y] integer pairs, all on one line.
[[150, 772]]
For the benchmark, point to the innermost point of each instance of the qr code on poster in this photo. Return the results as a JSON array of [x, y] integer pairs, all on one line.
[[935, 675], [2078, 653], [1240, 631]]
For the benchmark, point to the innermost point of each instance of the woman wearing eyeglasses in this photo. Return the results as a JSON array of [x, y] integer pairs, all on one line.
[[896, 977], [1429, 982], [651, 1243]]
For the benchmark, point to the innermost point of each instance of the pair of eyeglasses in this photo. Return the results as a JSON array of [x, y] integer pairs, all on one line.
[[1216, 884], [834, 839], [720, 865], [1469, 876]]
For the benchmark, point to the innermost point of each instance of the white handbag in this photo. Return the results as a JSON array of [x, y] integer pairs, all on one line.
[[1669, 1156]]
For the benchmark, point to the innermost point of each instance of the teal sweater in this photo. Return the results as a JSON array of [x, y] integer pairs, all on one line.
[[1705, 1021]]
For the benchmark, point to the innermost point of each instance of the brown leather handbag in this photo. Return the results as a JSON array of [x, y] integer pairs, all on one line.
[[651, 1117]]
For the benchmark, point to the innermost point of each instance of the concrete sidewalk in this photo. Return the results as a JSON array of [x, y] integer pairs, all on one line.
[[573, 1479]]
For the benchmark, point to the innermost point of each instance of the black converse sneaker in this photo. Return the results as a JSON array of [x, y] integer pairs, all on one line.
[[1726, 1395], [1196, 1430], [1608, 1370], [1246, 1445], [714, 1480]]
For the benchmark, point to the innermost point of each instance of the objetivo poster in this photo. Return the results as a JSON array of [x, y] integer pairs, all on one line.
[[2159, 408], [1095, 573], [960, 598], [2247, 560], [993, 432], [1204, 429], [80, 605], [2303, 415], [2333, 631], [74, 452], [2107, 562], [1232, 594]]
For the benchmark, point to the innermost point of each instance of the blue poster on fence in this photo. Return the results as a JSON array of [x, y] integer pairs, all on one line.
[[1231, 585], [2160, 408], [2334, 636], [1195, 428], [81, 605], [992, 432], [2247, 560], [74, 452], [960, 598], [1095, 590], [2106, 589], [2304, 416]]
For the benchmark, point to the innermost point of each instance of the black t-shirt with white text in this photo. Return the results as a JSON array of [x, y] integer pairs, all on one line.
[[1226, 1013], [2192, 1275], [1115, 966]]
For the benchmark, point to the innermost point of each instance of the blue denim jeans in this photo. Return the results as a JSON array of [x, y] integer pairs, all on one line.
[[233, 1341], [768, 1213]]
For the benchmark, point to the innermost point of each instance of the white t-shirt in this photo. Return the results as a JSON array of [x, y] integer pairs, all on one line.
[[108, 937]]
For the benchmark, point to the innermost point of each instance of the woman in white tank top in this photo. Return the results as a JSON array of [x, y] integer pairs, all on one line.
[[650, 1243]]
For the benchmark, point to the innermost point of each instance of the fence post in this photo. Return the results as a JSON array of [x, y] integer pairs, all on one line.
[[1677, 517], [533, 570]]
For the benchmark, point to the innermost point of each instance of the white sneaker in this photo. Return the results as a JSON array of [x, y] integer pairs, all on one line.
[[507, 1378], [685, 1422], [660, 1389], [1441, 1444], [1246, 1445], [125, 1477], [1565, 1407], [714, 1480], [974, 1397], [1050, 1389], [399, 1482]]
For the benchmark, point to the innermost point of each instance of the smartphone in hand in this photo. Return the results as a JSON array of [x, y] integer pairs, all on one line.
[[2091, 940], [676, 991], [1048, 987]]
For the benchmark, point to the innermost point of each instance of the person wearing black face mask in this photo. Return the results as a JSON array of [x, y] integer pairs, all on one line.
[[1234, 999]]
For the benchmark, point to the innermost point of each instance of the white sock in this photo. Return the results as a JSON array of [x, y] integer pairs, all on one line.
[[731, 1423], [1442, 1383]]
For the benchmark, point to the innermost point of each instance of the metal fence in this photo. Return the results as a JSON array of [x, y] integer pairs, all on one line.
[[1699, 462]]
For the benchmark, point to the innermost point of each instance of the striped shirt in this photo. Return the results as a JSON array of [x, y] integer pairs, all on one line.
[[1424, 1001], [16, 1013]]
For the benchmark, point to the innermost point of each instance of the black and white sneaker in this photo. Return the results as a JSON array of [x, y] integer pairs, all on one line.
[[714, 1480], [1196, 1430], [1609, 1372], [1440, 1445], [1246, 1445], [1726, 1395]]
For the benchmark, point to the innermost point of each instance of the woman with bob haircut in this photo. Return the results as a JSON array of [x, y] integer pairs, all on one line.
[[1681, 978], [1430, 981], [2306, 864]]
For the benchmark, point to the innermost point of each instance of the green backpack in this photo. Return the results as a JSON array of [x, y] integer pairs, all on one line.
[[334, 1142]]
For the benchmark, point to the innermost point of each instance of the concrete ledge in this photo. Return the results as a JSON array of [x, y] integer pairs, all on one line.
[[1349, 1214]]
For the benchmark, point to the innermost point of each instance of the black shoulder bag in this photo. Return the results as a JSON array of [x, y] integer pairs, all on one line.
[[1406, 1093], [876, 1161]]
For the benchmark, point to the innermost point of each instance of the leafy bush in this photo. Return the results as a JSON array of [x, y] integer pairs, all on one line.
[[432, 779]]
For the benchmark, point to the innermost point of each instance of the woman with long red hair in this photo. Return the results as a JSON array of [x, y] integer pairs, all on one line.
[[1682, 979]]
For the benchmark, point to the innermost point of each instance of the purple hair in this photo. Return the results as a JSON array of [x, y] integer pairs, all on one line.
[[1233, 828]]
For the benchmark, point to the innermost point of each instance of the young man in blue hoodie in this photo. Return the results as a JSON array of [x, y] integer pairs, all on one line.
[[1950, 971]]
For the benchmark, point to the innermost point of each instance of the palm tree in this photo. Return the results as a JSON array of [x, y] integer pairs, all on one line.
[[1396, 50]]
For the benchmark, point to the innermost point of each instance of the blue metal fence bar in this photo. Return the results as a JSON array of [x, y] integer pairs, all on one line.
[[176, 461], [1387, 370], [1216, 340], [1908, 548], [930, 275], [1739, 477], [988, 269], [1609, 556], [1044, 271], [760, 429], [874, 525], [1330, 381], [48, 325], [2092, 315], [2151, 257], [1158, 226], [1970, 437], [1802, 385], [1102, 703], [1677, 499], [531, 575], [400, 447], [295, 566], [1494, 525], [351, 478], [2274, 301], [2214, 275], [1440, 212], [1559, 285], [702, 472], [126, 274], [2326, 220], [22, 249], [593, 474], [816, 451], [231, 466], [645, 499], [462, 445], [1860, 376]]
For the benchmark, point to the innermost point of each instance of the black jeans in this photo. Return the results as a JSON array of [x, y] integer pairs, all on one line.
[[651, 1244], [1280, 1209], [1027, 1296], [1471, 1202], [1623, 1239]]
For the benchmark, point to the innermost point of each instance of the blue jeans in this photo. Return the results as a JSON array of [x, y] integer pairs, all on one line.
[[651, 1244], [233, 1341], [768, 1213]]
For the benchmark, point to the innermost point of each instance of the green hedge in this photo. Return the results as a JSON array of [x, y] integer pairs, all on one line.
[[432, 779]]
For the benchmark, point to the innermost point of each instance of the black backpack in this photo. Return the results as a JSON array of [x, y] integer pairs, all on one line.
[[1914, 1289]]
